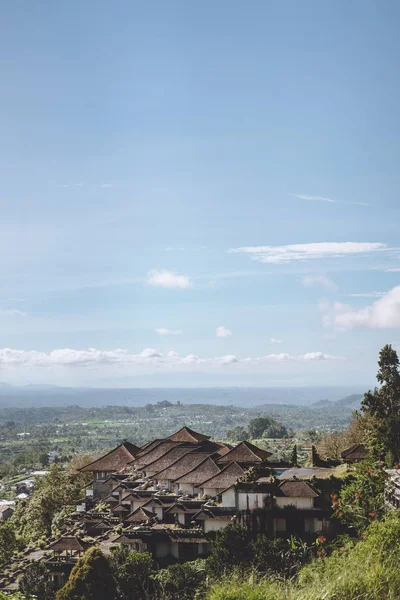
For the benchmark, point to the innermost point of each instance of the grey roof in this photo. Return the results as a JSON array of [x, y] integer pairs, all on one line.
[[296, 489], [205, 470], [225, 478]]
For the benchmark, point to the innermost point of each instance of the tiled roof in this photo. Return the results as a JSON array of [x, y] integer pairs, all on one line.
[[140, 515], [156, 452], [188, 435], [115, 460], [169, 458], [216, 512], [206, 469], [355, 451], [296, 489], [245, 453], [70, 543], [226, 477]]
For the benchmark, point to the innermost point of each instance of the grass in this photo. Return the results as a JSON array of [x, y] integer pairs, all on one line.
[[367, 570]]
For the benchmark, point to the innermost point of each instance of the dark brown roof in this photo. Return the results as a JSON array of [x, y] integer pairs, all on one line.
[[70, 543], [356, 451], [188, 435], [115, 460], [164, 501], [185, 507], [224, 449], [119, 508], [140, 515], [181, 466], [216, 512], [169, 458], [296, 489], [206, 469], [245, 453], [154, 453], [225, 478]]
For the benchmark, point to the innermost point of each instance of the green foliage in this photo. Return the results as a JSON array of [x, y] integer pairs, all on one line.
[[238, 434], [185, 581], [36, 581], [293, 457], [266, 427], [231, 549], [133, 573], [9, 542], [90, 579], [54, 493], [383, 405], [361, 499]]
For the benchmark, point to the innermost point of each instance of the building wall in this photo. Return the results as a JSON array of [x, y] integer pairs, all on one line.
[[300, 503], [214, 524], [228, 498], [252, 500], [186, 488], [209, 492], [162, 549]]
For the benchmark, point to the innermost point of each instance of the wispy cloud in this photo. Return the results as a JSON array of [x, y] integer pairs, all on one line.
[[311, 251], [367, 295], [12, 312], [275, 341], [165, 331], [106, 185], [223, 332], [382, 314], [319, 280], [168, 279], [325, 199]]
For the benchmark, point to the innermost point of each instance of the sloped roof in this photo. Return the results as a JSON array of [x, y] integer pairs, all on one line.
[[154, 453], [181, 466], [205, 470], [70, 543], [140, 515], [245, 452], [355, 451], [185, 507], [169, 458], [185, 434], [216, 512], [296, 489], [226, 477], [115, 460], [224, 448], [119, 508]]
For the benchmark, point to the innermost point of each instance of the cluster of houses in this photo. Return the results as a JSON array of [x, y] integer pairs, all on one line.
[[169, 497]]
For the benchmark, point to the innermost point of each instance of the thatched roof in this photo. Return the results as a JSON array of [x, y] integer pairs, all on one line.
[[181, 466], [185, 507], [70, 544], [355, 452], [188, 435], [169, 458], [245, 453], [296, 489], [225, 513], [225, 478], [140, 515], [120, 508], [205, 470], [153, 454], [115, 460]]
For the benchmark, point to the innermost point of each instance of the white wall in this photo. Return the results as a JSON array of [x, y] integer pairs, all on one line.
[[214, 524], [186, 488], [251, 500], [301, 503], [228, 498], [209, 492]]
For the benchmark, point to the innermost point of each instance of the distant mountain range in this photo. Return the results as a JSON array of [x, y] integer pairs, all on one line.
[[248, 397], [353, 401]]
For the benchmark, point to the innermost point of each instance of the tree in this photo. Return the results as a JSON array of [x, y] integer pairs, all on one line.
[[266, 427], [133, 573], [361, 499], [238, 434], [36, 581], [231, 549], [90, 579], [293, 457], [8, 542], [182, 581], [383, 404]]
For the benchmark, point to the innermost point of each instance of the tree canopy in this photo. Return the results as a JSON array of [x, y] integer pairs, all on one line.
[[90, 579]]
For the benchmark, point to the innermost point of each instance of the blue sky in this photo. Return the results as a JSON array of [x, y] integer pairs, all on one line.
[[171, 168]]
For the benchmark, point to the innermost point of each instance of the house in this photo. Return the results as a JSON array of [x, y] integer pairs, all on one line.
[[66, 552], [165, 478], [295, 510], [214, 518], [222, 480], [189, 483], [6, 511], [355, 453], [115, 461], [246, 455]]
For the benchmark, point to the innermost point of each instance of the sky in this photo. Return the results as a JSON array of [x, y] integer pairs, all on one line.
[[198, 193]]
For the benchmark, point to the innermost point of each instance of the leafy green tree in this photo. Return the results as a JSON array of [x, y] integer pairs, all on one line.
[[293, 457], [36, 581], [266, 427], [90, 579], [231, 549], [361, 499], [8, 542], [383, 404], [182, 581], [133, 573], [238, 434]]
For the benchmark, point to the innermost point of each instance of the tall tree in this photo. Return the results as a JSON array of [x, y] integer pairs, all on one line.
[[90, 579], [383, 405], [37, 582], [293, 458]]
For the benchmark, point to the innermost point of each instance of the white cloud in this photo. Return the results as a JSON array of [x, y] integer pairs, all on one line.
[[312, 251], [223, 332], [382, 314], [319, 280], [165, 331], [324, 199], [168, 279], [145, 360], [150, 353], [12, 312], [275, 341], [368, 295], [106, 185]]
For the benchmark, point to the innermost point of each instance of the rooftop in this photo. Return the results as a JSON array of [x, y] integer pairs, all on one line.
[[115, 460]]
